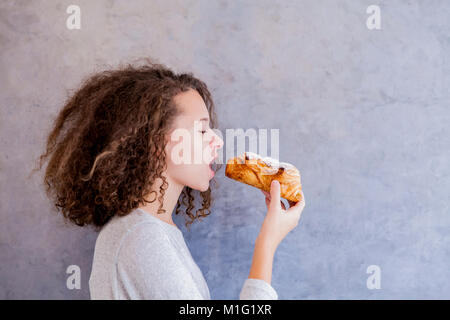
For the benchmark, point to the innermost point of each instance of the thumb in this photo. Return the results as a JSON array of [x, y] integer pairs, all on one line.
[[275, 194]]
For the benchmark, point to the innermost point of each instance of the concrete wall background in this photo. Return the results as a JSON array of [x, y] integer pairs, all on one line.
[[363, 114]]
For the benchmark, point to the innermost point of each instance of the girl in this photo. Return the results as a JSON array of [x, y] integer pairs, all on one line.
[[113, 165]]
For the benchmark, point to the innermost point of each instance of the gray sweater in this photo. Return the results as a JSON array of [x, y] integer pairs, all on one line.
[[139, 256]]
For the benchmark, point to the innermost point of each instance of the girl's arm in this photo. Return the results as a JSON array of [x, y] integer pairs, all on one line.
[[262, 260], [278, 222]]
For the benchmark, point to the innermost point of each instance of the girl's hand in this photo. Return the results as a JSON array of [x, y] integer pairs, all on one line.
[[279, 221]]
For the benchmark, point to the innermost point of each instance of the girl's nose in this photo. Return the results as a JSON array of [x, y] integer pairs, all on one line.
[[216, 142]]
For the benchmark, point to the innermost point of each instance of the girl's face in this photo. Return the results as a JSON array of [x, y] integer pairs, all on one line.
[[192, 145]]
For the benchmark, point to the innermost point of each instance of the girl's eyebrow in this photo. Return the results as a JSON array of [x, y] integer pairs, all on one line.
[[204, 119]]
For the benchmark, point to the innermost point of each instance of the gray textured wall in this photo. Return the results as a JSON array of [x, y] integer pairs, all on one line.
[[364, 114]]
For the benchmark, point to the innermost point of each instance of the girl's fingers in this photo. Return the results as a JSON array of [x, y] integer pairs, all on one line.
[[268, 203], [275, 194], [291, 203], [301, 203]]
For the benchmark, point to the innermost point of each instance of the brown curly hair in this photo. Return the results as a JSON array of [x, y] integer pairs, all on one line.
[[103, 144]]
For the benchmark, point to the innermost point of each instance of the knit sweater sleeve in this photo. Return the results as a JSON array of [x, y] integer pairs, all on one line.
[[257, 289]]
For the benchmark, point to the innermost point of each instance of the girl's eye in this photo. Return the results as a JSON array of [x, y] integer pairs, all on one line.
[[203, 132]]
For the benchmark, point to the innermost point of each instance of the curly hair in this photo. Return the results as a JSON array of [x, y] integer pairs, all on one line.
[[103, 144]]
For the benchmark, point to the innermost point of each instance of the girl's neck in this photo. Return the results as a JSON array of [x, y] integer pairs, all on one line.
[[171, 196]]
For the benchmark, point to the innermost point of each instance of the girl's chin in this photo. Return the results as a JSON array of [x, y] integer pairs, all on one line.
[[204, 188]]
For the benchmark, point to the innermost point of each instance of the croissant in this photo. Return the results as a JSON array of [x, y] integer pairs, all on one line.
[[254, 170]]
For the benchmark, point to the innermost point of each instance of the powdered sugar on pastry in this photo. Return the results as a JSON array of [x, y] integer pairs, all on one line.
[[273, 164]]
